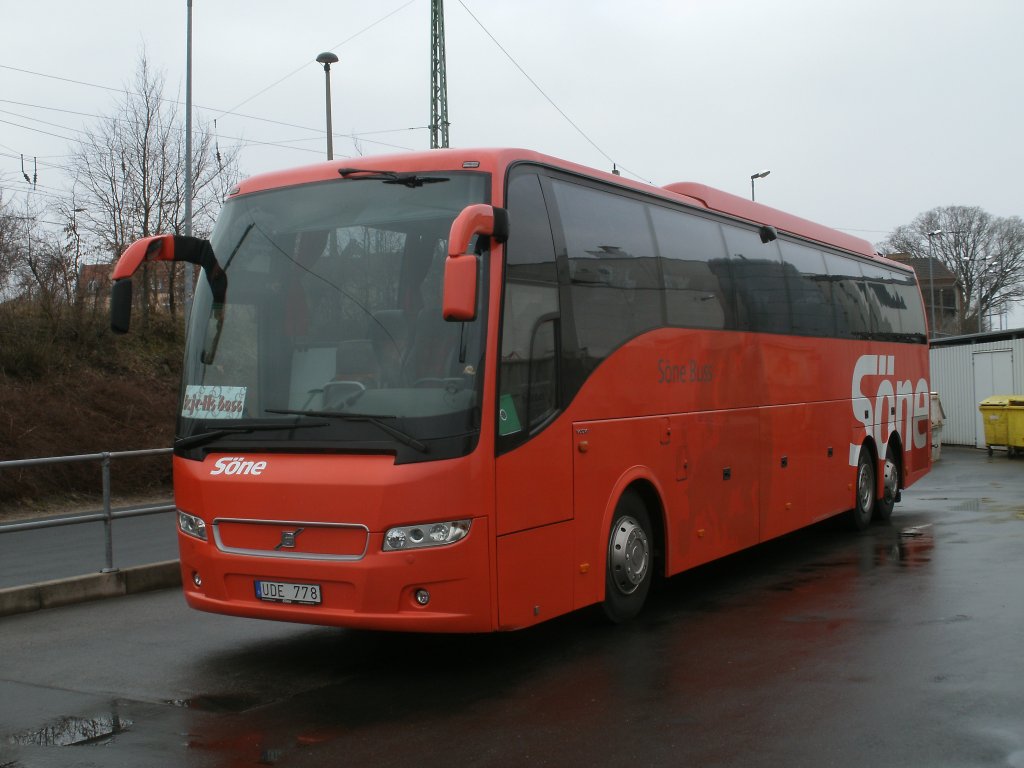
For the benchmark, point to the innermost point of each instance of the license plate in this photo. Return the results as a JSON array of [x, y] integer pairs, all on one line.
[[285, 592]]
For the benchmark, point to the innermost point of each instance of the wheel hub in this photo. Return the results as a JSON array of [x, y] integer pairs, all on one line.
[[890, 480], [865, 489], [629, 555]]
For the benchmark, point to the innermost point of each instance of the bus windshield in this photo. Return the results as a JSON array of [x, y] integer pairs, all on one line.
[[331, 319]]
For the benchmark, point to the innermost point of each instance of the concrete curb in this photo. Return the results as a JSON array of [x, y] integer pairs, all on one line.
[[94, 586]]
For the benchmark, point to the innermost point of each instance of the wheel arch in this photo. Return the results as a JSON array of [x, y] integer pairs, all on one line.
[[642, 482]]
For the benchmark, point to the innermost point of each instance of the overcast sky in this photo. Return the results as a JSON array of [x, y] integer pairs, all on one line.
[[867, 113]]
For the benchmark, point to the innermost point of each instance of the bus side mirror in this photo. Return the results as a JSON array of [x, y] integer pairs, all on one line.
[[460, 268], [193, 250], [158, 248]]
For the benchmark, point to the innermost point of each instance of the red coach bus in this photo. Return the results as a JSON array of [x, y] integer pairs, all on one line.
[[470, 390]]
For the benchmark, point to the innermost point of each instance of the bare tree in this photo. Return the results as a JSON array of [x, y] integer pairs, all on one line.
[[49, 277], [130, 181], [26, 253], [984, 253], [9, 233], [36, 281]]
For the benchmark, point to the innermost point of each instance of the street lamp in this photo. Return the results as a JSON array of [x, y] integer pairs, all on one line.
[[931, 276], [758, 175], [327, 58]]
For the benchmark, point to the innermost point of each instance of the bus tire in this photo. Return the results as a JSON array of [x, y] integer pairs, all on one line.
[[864, 489], [890, 486], [630, 562]]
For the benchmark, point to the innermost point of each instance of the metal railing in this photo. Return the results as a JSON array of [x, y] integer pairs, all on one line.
[[107, 515]]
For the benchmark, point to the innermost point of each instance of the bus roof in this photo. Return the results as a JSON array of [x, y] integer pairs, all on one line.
[[740, 207], [497, 160]]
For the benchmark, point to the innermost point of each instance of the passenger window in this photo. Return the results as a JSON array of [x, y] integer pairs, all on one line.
[[912, 323], [883, 303], [758, 277], [698, 292], [810, 295], [852, 313], [614, 281]]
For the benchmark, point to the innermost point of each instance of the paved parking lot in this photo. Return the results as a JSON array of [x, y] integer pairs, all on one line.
[[901, 646]]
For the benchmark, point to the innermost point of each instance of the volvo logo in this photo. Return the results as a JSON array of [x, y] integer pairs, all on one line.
[[288, 539]]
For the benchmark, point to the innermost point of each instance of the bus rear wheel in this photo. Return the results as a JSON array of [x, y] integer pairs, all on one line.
[[630, 560], [890, 486], [864, 508]]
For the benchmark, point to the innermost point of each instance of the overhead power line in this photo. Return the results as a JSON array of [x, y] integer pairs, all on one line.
[[305, 64], [282, 143], [38, 130], [37, 120], [550, 101], [271, 121], [42, 162]]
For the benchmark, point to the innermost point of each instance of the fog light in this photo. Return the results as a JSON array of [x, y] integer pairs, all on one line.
[[197, 579], [422, 596]]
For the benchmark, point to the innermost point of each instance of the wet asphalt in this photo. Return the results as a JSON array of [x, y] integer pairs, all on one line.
[[900, 646]]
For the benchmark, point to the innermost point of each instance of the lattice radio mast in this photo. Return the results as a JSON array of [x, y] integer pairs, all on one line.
[[438, 78]]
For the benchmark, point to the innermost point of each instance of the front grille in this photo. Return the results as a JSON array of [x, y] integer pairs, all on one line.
[[291, 539]]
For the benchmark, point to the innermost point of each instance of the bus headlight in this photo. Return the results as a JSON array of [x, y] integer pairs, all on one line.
[[426, 535], [191, 525]]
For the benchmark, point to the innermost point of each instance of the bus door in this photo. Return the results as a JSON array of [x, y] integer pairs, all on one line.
[[533, 468]]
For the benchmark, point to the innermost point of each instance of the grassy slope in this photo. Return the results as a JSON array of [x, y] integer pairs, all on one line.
[[66, 396]]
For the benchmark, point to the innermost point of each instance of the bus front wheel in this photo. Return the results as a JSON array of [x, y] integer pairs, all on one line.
[[630, 562]]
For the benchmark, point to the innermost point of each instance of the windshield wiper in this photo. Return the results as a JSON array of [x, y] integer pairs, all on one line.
[[410, 180], [218, 277], [399, 435], [193, 441]]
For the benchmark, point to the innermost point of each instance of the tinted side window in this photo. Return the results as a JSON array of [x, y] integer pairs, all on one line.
[[850, 302], [912, 309], [527, 377], [696, 296], [810, 294], [613, 273], [883, 303], [760, 283], [899, 310]]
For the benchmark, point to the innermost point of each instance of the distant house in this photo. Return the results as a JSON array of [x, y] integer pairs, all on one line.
[[94, 281], [939, 288]]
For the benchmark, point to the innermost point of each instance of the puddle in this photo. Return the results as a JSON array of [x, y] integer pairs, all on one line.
[[72, 731], [970, 505], [216, 703], [913, 546], [990, 506]]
